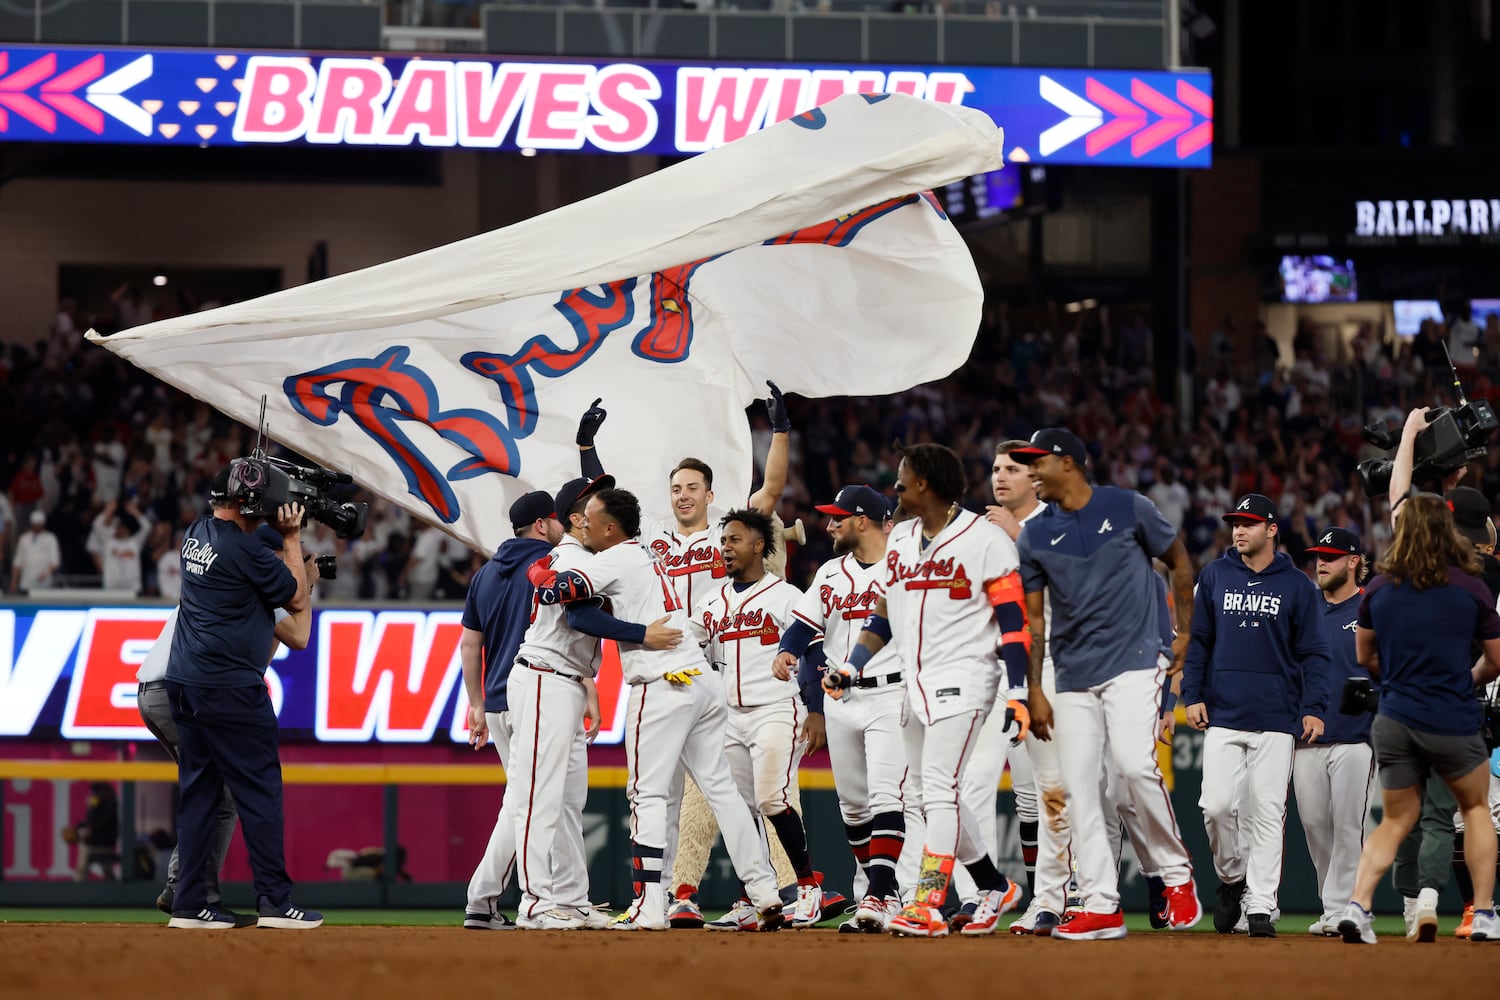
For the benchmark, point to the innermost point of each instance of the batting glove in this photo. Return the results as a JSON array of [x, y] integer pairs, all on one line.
[[682, 678], [589, 424], [781, 422], [838, 683], [1018, 713]]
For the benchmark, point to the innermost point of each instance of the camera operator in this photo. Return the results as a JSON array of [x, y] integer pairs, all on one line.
[[226, 726], [1414, 630], [156, 711]]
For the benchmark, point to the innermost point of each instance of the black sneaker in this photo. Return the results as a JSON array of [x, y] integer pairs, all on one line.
[[1261, 926], [1156, 902], [1227, 907], [488, 921], [206, 919], [164, 902], [962, 918]]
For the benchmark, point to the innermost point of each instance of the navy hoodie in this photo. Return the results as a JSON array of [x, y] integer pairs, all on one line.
[[1257, 658], [499, 605], [1338, 628]]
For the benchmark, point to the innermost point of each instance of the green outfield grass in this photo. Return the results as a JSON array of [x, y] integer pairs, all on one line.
[[1290, 925]]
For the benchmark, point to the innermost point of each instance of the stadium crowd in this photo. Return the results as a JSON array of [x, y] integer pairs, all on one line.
[[102, 466]]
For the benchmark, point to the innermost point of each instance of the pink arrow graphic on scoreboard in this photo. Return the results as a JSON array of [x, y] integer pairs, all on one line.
[[12, 96], [58, 92], [1199, 135], [1175, 118], [1128, 118]]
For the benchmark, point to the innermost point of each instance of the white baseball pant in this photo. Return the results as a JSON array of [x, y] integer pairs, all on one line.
[[1333, 785], [980, 791], [940, 751], [1245, 780], [493, 872], [867, 749], [764, 752], [1117, 718], [667, 727], [549, 777]]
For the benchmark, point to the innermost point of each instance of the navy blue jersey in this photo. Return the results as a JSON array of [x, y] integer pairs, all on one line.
[[1257, 658], [232, 582], [499, 605], [1338, 628], [1095, 564], [1426, 664]]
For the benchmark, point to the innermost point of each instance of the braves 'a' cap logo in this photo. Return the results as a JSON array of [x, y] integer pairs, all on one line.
[[1326, 539], [1245, 504]]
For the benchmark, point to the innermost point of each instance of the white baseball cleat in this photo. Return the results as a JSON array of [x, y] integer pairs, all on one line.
[[741, 917], [809, 907], [558, 920], [487, 920], [595, 918], [646, 913], [1486, 926], [873, 914], [1324, 927]]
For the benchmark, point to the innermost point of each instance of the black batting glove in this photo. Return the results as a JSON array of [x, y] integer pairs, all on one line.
[[781, 422], [589, 424]]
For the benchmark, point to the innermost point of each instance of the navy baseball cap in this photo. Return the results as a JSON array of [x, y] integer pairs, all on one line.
[[576, 489], [1053, 441], [853, 501], [1253, 507], [530, 507], [1337, 542]]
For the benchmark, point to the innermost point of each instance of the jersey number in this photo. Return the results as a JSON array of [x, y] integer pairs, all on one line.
[[670, 600]]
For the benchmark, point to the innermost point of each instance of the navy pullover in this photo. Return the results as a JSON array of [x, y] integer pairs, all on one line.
[[1338, 628], [1257, 658]]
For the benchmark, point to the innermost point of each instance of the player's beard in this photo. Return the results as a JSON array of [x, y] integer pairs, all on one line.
[[844, 544], [1335, 581]]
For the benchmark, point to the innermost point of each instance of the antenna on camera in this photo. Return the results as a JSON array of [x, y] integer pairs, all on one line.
[[260, 434], [1458, 387]]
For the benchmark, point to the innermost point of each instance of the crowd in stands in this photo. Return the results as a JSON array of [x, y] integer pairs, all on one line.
[[102, 466]]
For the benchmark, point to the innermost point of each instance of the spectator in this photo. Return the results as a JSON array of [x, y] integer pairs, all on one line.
[[1171, 497], [116, 542], [37, 557]]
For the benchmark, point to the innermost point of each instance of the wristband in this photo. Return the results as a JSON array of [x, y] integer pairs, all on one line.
[[879, 626], [858, 657]]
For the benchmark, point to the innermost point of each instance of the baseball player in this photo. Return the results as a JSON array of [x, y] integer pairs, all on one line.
[[739, 625], [551, 687], [687, 544], [1091, 549], [1255, 682], [865, 745], [1333, 777], [946, 569], [1015, 502], [497, 611], [675, 716]]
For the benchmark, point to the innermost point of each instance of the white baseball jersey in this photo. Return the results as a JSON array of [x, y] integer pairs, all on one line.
[[843, 594], [694, 562], [741, 634], [639, 590], [550, 640], [942, 617]]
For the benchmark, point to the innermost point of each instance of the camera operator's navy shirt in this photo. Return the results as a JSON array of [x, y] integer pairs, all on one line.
[[1338, 628], [1426, 679], [231, 585], [499, 605], [1095, 564]]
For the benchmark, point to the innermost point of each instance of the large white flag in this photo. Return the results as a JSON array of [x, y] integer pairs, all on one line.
[[450, 382]]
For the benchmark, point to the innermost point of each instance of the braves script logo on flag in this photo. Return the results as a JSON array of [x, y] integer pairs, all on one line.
[[379, 394]]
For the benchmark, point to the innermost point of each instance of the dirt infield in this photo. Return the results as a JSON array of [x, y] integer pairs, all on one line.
[[361, 963]]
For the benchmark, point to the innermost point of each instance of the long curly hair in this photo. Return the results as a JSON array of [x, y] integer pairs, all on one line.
[[1426, 544]]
